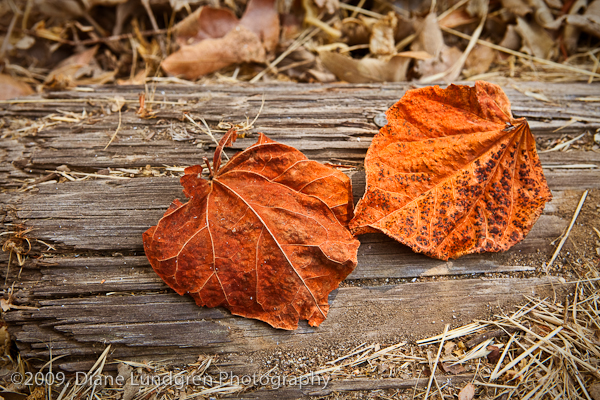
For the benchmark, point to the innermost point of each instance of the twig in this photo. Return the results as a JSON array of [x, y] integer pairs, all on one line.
[[564, 239], [522, 55], [437, 358]]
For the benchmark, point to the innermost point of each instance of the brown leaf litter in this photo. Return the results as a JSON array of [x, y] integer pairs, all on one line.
[[228, 41]]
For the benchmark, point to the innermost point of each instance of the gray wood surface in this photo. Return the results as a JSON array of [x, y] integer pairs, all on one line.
[[163, 324], [96, 287]]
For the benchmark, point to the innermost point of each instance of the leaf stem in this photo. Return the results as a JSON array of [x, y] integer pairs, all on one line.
[[210, 172]]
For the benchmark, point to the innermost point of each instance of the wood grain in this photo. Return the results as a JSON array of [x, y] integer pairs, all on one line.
[[164, 324], [96, 287]]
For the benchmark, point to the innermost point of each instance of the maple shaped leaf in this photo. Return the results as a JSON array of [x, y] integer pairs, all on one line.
[[452, 173], [264, 237]]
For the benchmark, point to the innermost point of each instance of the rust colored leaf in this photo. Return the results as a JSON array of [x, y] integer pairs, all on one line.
[[265, 236], [452, 173]]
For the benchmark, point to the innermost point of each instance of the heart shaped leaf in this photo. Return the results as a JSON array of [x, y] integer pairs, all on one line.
[[452, 173], [265, 236]]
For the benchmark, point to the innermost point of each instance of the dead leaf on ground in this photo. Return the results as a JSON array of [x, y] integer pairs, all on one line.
[[79, 69], [264, 237], [494, 355], [479, 61], [10, 88], [541, 13], [404, 27], [589, 22], [445, 60], [451, 368], [537, 41], [520, 8], [570, 32], [104, 3], [467, 181], [430, 37], [430, 40], [467, 393], [212, 39], [239, 45], [511, 39], [367, 69], [205, 23], [60, 9], [594, 391], [449, 347], [456, 18]]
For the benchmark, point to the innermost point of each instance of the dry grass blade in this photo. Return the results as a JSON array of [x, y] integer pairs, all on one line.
[[523, 55], [591, 369], [437, 359], [207, 130], [116, 132], [564, 239], [566, 144], [527, 353], [454, 333], [477, 352]]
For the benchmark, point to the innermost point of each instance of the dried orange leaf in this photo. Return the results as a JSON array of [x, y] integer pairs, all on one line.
[[264, 237], [453, 173]]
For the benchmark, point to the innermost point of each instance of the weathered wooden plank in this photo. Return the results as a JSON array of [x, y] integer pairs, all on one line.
[[168, 324], [111, 216], [327, 122], [98, 224], [66, 276]]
